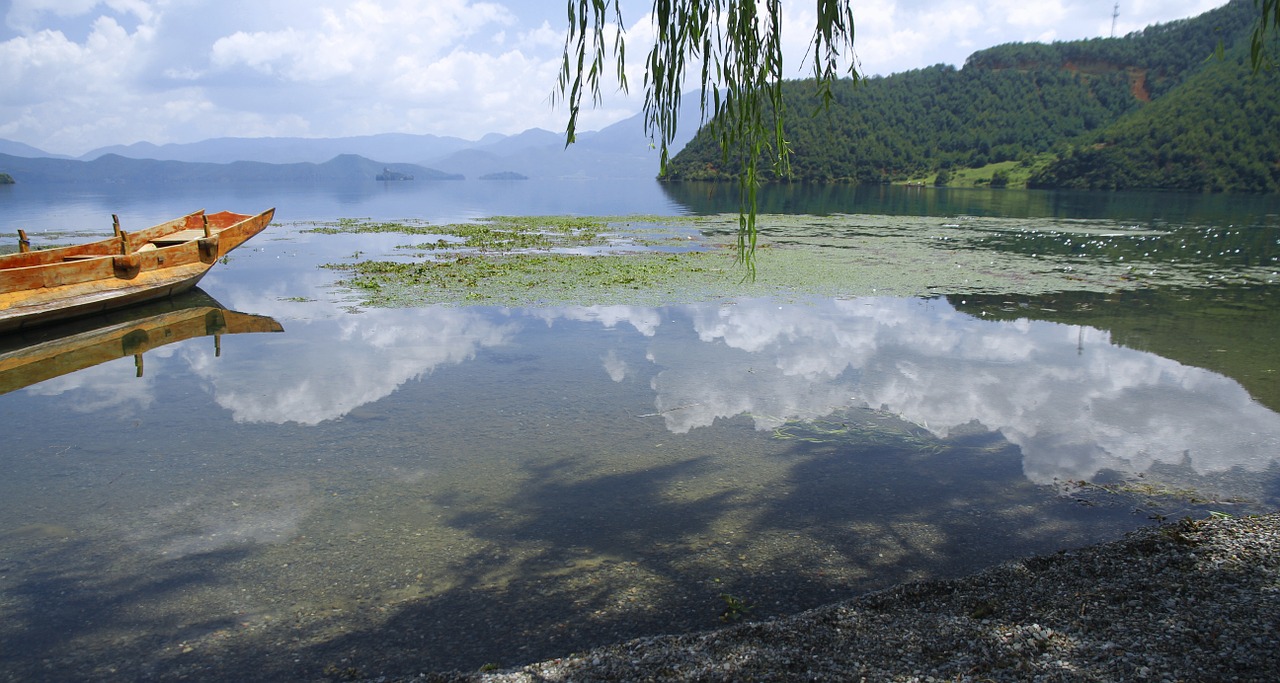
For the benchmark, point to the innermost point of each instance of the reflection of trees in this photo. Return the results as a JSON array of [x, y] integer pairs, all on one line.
[[1190, 326], [709, 198]]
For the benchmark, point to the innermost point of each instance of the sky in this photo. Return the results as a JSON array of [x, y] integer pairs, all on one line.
[[76, 75]]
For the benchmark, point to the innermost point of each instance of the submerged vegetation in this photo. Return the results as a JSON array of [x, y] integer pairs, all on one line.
[[865, 427], [735, 608], [1157, 500]]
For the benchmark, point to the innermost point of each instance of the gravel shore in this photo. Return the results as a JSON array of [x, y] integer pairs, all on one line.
[[1187, 601]]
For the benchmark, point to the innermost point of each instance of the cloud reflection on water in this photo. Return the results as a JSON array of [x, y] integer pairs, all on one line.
[[1073, 402], [98, 388], [334, 365]]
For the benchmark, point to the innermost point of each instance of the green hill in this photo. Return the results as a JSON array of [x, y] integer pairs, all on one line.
[[1067, 114], [1216, 132]]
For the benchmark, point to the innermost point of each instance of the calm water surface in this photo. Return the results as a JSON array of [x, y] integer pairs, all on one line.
[[394, 491]]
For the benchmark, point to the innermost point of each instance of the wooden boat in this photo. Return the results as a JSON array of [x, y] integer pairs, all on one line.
[[51, 351], [41, 286]]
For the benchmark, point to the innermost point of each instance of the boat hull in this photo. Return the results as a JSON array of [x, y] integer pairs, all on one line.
[[40, 287]]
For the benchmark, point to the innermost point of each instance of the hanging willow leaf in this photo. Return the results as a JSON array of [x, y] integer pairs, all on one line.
[[739, 45], [1258, 56]]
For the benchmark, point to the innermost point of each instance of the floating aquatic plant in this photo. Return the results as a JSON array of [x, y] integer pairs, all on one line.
[[532, 260]]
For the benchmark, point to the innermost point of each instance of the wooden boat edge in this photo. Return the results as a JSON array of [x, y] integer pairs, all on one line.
[[193, 258]]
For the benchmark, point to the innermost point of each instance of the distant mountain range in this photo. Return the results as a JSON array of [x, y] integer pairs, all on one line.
[[113, 168], [19, 149], [621, 150], [1155, 109]]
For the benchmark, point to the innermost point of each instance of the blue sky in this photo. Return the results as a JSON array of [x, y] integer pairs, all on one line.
[[80, 74]]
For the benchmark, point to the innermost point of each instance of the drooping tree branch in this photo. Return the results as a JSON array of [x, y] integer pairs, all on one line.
[[739, 47], [1269, 20]]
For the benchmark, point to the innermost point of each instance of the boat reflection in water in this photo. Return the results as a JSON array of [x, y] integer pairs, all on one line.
[[33, 356]]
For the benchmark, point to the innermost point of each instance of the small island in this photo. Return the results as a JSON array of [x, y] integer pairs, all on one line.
[[6, 179], [388, 174], [504, 175]]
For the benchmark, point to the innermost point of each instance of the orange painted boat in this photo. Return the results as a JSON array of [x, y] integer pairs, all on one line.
[[42, 286]]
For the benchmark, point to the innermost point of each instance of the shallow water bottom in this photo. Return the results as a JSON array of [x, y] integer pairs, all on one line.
[[383, 544]]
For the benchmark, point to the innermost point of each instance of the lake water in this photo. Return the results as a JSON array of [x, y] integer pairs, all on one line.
[[388, 491]]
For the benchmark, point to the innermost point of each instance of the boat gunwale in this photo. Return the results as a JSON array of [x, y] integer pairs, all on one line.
[[37, 294], [109, 246]]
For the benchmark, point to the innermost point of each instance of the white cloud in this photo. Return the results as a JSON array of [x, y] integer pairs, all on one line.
[[47, 66], [360, 40], [1032, 15], [616, 368], [24, 14], [544, 36]]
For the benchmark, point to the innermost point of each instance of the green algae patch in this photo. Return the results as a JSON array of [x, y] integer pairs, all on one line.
[[537, 260], [500, 233], [541, 279], [361, 226], [647, 260]]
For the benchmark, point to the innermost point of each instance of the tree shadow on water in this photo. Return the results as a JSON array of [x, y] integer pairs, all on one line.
[[881, 515], [605, 558], [555, 574], [587, 562], [70, 615], [577, 557]]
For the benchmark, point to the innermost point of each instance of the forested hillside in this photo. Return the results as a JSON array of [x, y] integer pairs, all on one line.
[[1085, 110], [1220, 131]]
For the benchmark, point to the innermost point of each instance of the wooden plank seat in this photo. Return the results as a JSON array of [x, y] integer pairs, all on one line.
[[178, 237], [149, 246]]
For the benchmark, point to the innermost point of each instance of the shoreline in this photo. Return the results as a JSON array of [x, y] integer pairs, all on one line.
[[1189, 600]]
